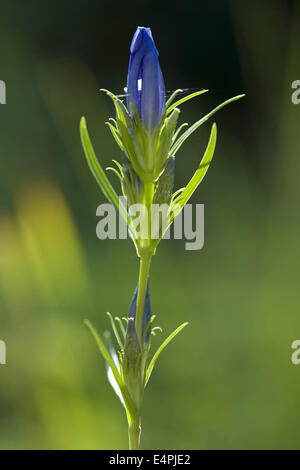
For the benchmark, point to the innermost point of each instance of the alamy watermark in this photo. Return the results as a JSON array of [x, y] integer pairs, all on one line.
[[295, 357], [295, 97], [188, 223], [2, 92], [2, 352]]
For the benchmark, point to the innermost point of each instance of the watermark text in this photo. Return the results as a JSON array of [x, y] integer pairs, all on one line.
[[2, 92], [295, 357], [2, 352], [161, 221], [295, 97]]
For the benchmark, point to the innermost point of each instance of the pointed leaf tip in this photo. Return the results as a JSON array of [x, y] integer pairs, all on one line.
[[160, 349]]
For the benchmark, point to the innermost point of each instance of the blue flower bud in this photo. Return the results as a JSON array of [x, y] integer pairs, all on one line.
[[132, 347], [145, 84], [147, 310], [132, 354]]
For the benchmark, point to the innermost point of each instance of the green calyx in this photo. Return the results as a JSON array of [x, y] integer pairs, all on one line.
[[129, 368], [147, 153], [146, 172]]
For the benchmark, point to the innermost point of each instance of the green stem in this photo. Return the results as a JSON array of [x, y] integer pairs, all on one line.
[[148, 195], [145, 262], [146, 253], [134, 435]]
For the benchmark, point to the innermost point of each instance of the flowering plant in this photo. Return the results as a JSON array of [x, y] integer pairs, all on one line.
[[145, 130]]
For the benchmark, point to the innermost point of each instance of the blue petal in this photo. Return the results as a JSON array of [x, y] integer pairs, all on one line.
[[152, 93], [145, 84]]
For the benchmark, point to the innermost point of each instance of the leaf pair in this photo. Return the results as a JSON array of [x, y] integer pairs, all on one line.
[[185, 194], [119, 384], [177, 144], [100, 175], [169, 142]]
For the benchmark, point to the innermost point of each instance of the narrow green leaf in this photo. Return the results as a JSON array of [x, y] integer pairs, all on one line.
[[121, 326], [110, 168], [114, 122], [179, 130], [184, 99], [115, 134], [98, 171], [124, 179], [165, 139], [115, 331], [198, 176], [95, 166], [156, 328], [121, 109], [116, 359], [160, 349], [176, 194], [197, 124], [125, 394], [146, 328], [122, 172]]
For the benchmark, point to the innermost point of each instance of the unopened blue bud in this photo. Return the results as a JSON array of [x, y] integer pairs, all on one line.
[[147, 311], [145, 84], [132, 346]]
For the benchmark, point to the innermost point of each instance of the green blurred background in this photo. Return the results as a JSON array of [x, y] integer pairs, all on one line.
[[228, 380]]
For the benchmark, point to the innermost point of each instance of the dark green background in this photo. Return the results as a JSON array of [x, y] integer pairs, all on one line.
[[227, 381]]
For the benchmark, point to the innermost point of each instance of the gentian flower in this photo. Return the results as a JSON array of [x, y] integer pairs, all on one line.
[[145, 131], [145, 84]]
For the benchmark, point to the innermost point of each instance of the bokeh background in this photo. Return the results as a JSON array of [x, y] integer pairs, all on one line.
[[228, 380]]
